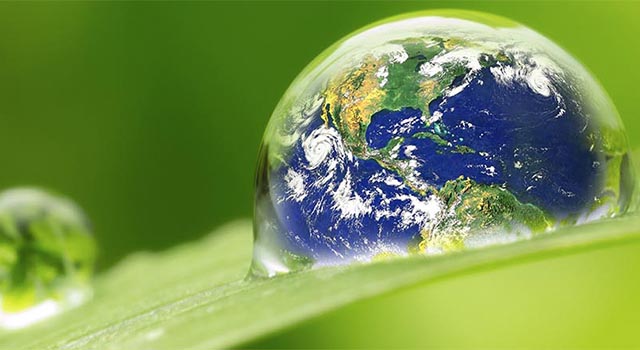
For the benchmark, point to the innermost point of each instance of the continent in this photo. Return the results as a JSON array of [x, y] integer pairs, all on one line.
[[473, 209], [352, 102], [392, 82]]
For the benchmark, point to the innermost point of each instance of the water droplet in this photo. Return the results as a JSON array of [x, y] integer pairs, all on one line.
[[47, 253], [356, 166]]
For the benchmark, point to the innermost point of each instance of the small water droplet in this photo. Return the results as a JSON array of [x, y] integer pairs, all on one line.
[[47, 253]]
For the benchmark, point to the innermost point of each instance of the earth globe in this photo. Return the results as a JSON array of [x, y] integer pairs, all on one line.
[[430, 133]]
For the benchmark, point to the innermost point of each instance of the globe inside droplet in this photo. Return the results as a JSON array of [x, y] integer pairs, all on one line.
[[430, 133], [47, 255]]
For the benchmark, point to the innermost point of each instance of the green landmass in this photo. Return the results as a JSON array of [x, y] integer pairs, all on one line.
[[463, 149], [472, 208]]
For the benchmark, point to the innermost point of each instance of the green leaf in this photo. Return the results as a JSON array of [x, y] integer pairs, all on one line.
[[196, 297]]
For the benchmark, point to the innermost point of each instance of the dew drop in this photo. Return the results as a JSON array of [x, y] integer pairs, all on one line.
[[47, 254], [352, 170]]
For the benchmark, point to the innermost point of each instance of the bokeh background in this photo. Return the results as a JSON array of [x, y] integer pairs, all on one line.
[[150, 115]]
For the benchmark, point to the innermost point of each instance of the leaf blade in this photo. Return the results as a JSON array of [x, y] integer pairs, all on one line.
[[197, 297]]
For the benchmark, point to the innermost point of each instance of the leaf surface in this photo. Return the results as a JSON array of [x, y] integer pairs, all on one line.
[[196, 296]]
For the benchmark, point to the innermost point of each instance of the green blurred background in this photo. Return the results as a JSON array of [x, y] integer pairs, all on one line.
[[150, 114]]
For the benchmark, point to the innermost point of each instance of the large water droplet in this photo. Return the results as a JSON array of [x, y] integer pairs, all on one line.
[[430, 133], [47, 254]]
